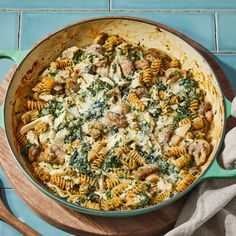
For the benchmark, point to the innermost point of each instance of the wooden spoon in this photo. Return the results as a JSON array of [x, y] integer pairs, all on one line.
[[9, 218]]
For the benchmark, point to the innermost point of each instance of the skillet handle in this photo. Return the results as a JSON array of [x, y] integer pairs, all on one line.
[[228, 105], [16, 56], [216, 171]]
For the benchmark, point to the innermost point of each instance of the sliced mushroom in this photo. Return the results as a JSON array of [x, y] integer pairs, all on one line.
[[60, 154], [100, 38], [126, 107], [32, 154], [126, 66], [209, 116], [71, 86], [115, 119], [204, 107], [141, 91], [200, 149], [153, 54], [96, 128], [145, 170], [198, 123], [141, 64]]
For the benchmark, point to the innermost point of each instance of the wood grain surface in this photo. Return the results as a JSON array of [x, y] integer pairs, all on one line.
[[8, 217], [81, 224]]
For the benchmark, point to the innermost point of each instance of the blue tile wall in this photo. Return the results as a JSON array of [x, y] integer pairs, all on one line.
[[9, 30], [52, 4], [173, 5], [226, 31], [187, 23], [228, 64], [8, 37]]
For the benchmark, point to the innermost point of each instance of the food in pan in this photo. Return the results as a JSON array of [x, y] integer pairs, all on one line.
[[116, 126]]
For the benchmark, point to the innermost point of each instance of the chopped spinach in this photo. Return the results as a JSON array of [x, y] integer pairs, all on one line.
[[188, 84], [161, 86], [53, 108], [154, 109], [78, 56], [111, 161]]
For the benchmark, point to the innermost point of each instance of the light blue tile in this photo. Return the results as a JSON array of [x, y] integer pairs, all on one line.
[[24, 213], [8, 37], [4, 183], [226, 31], [9, 30], [173, 4], [5, 65], [52, 4], [228, 64], [198, 26]]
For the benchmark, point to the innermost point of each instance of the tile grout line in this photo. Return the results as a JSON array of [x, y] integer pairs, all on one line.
[[19, 30], [216, 32], [107, 10]]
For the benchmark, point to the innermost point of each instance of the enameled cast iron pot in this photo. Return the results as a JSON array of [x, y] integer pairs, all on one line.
[[151, 34]]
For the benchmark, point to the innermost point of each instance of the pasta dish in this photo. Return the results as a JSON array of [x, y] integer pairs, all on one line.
[[115, 126]]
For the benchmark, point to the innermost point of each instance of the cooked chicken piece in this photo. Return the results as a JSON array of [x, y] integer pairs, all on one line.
[[164, 135], [94, 48], [126, 66], [175, 139], [103, 70], [115, 119], [100, 38], [141, 64], [200, 149]]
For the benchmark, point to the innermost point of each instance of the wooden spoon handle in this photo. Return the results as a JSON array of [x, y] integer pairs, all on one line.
[[8, 217]]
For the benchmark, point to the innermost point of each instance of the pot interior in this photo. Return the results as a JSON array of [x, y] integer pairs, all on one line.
[[134, 31]]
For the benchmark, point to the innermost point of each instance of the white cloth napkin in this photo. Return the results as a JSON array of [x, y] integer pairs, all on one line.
[[211, 207]]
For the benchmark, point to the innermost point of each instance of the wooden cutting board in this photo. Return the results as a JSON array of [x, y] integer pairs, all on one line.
[[81, 224]]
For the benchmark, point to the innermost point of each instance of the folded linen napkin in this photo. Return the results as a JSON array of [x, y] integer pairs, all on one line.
[[211, 207]]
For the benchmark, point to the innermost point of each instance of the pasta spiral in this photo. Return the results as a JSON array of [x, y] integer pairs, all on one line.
[[185, 183], [183, 161], [35, 105], [134, 100], [193, 106], [175, 150], [147, 77]]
